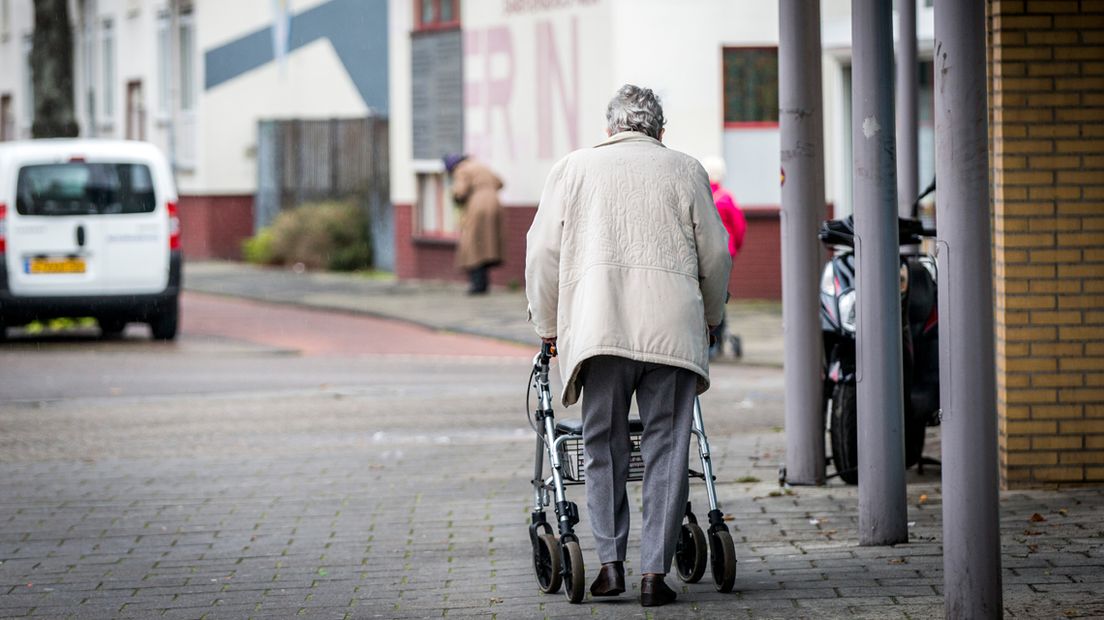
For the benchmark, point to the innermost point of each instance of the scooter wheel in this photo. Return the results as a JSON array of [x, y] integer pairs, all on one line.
[[691, 554], [722, 555], [546, 564]]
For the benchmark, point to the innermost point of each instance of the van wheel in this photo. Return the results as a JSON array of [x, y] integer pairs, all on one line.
[[112, 328], [164, 324]]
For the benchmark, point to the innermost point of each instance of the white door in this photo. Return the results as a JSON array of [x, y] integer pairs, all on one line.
[[87, 228]]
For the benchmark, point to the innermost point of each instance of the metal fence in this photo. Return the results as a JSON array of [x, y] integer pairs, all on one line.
[[308, 160]]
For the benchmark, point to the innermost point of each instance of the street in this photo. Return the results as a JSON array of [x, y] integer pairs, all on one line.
[[278, 460]]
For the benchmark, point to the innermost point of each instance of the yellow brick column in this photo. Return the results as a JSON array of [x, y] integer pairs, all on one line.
[[1047, 129]]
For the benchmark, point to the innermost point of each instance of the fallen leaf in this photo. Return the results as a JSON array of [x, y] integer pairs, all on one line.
[[1032, 548], [1032, 533], [729, 518], [495, 599], [897, 560], [1037, 518], [1063, 511], [923, 498]]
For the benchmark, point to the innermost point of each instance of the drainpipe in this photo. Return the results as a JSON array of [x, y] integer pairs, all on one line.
[[172, 75], [967, 381], [882, 505], [801, 126]]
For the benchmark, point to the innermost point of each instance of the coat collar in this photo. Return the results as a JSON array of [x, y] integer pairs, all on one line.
[[628, 136]]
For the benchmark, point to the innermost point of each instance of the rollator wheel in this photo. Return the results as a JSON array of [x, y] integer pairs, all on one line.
[[691, 554], [574, 574], [546, 563], [722, 555]]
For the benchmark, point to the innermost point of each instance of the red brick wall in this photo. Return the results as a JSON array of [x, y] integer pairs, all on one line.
[[756, 274], [757, 270], [214, 226]]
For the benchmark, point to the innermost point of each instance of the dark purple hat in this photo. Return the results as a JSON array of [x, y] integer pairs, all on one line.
[[451, 161]]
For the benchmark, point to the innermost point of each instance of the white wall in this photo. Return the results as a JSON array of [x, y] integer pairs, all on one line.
[[537, 81], [675, 48], [312, 84], [20, 24]]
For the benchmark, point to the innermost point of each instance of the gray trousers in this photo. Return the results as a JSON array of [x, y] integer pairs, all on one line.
[[665, 398]]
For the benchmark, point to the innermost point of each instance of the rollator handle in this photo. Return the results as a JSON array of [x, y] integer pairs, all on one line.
[[548, 351]]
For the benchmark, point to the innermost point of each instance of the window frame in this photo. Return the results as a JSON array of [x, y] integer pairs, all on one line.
[[761, 124], [107, 71], [189, 96], [436, 23], [445, 223], [164, 66]]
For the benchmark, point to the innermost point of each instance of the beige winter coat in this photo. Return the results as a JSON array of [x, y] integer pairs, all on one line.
[[627, 257], [475, 188]]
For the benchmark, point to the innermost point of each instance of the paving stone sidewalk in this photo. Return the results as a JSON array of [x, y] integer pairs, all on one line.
[[406, 528], [395, 501], [441, 305]]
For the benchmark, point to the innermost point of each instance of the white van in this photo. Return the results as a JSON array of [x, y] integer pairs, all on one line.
[[88, 228]]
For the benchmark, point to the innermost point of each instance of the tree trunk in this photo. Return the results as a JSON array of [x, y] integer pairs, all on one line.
[[52, 71]]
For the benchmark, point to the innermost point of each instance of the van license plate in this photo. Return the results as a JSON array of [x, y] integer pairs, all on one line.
[[55, 265]]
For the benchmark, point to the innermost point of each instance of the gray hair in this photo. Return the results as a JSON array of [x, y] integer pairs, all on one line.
[[635, 109]]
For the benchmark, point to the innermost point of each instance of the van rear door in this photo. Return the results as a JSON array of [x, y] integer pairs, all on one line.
[[87, 228]]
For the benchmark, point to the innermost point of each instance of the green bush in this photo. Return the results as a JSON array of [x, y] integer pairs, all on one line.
[[258, 249], [326, 235]]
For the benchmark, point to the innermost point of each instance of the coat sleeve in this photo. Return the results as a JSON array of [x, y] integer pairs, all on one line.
[[714, 262], [542, 255], [461, 184]]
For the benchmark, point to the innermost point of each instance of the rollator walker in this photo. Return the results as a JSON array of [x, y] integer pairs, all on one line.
[[560, 562]]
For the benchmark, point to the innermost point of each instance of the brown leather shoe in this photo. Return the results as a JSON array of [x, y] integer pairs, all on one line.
[[654, 591], [610, 580]]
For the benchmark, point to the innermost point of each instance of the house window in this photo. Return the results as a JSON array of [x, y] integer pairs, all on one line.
[[164, 65], [187, 77], [750, 86], [436, 14], [7, 123], [5, 20], [108, 65], [28, 85], [437, 214]]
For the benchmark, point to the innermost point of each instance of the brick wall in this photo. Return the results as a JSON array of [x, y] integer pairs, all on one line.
[[756, 274], [1047, 132], [215, 226]]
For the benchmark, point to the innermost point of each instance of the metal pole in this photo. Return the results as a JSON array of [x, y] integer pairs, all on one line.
[[908, 187], [971, 522], [802, 130], [882, 507]]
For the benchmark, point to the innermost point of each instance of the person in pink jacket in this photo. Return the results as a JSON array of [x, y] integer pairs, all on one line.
[[733, 219]]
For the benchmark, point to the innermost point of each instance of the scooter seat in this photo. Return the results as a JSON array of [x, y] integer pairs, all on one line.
[[575, 426]]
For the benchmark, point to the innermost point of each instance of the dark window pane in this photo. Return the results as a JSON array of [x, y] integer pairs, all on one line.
[[750, 85], [427, 12], [448, 12], [84, 189]]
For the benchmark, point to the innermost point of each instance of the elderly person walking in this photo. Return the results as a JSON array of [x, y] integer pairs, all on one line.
[[626, 270], [475, 188]]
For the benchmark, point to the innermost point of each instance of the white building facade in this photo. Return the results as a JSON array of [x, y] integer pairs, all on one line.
[[535, 77], [194, 77]]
